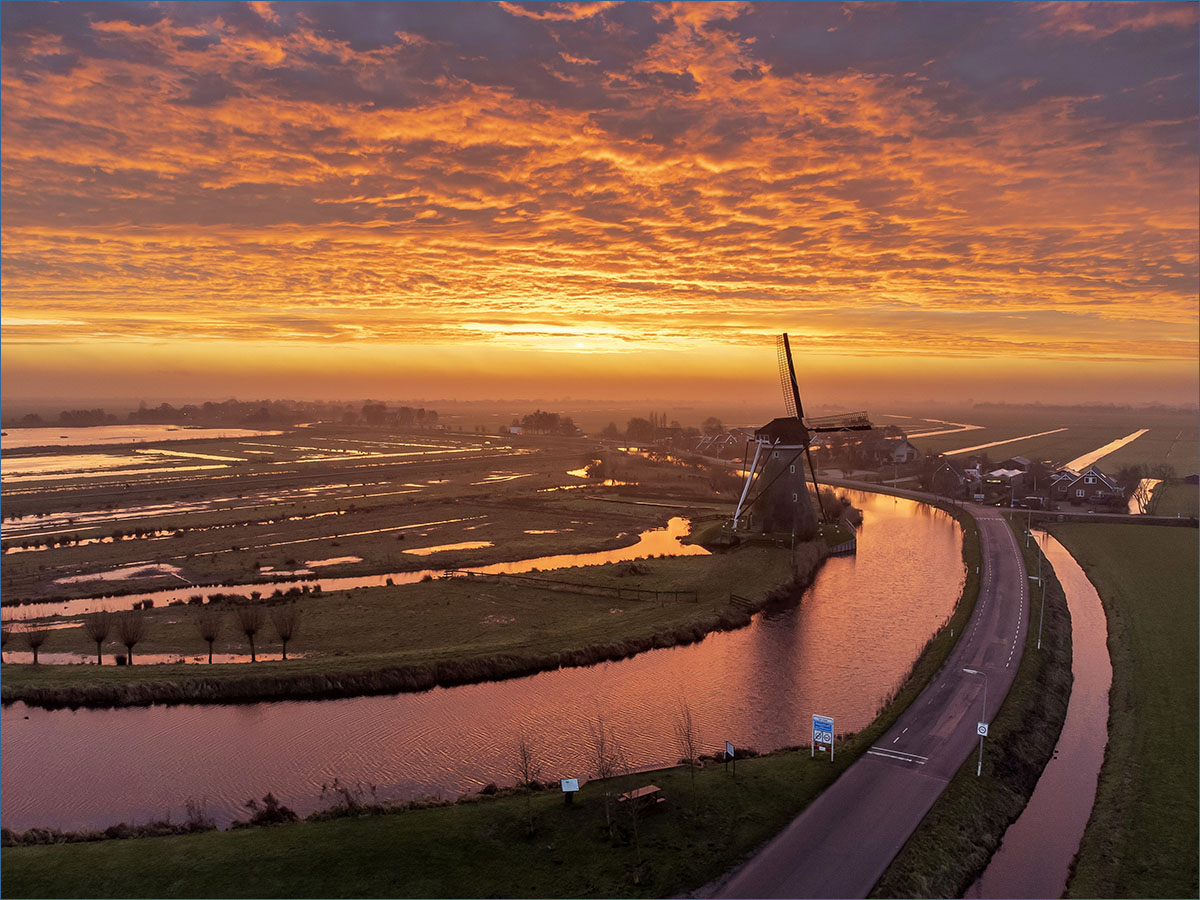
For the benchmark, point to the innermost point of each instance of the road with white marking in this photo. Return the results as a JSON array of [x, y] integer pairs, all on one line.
[[841, 844]]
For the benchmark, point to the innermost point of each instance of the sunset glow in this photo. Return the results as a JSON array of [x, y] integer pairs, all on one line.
[[440, 199]]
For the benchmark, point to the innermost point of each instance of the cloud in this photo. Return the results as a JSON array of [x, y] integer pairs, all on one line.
[[952, 179]]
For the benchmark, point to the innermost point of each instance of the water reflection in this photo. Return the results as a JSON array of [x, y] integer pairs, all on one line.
[[840, 652], [15, 438], [1035, 856]]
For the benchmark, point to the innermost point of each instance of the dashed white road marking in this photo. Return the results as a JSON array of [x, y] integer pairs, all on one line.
[[889, 753]]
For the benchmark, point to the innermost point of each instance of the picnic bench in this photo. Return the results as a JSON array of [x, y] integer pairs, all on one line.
[[647, 797]]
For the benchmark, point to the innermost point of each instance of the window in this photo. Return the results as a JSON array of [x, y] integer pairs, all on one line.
[[1079, 493], [1089, 480], [795, 498], [792, 470], [775, 455]]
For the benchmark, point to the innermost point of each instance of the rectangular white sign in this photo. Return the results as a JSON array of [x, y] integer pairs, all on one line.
[[728, 750], [570, 784]]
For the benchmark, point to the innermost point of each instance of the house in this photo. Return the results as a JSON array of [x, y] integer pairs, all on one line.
[[1020, 463], [1090, 485], [1005, 478], [952, 480], [901, 451]]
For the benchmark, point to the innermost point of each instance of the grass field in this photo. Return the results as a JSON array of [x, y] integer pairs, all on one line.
[[484, 848], [1141, 840], [946, 854], [1170, 440], [1175, 498]]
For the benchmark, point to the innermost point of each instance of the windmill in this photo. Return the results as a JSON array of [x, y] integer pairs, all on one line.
[[777, 489]]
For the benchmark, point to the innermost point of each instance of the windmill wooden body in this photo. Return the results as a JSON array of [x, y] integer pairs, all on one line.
[[775, 498]]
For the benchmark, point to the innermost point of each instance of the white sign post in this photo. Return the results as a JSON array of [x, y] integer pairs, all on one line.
[[822, 734]]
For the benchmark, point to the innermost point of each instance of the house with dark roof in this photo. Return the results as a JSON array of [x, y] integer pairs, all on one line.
[[950, 479], [1089, 485]]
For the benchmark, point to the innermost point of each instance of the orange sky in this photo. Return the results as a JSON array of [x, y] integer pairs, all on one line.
[[599, 199]]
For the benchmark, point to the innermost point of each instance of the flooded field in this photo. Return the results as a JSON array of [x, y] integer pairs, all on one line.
[[841, 652], [19, 438], [360, 501]]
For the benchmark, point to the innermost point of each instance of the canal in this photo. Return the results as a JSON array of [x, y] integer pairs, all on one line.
[[842, 652]]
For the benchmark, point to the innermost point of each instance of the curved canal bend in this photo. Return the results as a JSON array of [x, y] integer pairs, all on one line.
[[1035, 856], [841, 652]]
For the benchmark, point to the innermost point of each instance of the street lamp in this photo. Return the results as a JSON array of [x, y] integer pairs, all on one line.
[[982, 729]]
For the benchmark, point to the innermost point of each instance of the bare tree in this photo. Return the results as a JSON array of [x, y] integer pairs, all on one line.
[[688, 741], [250, 621], [286, 619], [604, 755], [208, 623], [528, 771], [97, 626], [35, 636], [631, 804], [131, 628]]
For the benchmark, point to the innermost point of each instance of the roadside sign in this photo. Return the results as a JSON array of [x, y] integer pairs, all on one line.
[[822, 733], [981, 729], [729, 754], [569, 784]]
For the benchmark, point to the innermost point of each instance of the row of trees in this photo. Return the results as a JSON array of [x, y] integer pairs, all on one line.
[[128, 628], [375, 414], [656, 427], [540, 422], [239, 412], [250, 621]]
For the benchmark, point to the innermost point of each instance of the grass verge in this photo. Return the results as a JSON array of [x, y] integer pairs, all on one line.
[[1141, 840], [959, 834], [483, 848]]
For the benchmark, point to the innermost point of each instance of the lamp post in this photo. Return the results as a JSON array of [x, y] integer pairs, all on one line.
[[982, 719]]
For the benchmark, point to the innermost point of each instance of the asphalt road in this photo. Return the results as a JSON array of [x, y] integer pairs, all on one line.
[[841, 844]]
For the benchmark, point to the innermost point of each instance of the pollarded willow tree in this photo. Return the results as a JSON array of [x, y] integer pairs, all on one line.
[[97, 626], [131, 628], [35, 636], [208, 623], [250, 621], [286, 619]]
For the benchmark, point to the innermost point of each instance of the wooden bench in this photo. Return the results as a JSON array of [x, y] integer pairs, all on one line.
[[647, 797]]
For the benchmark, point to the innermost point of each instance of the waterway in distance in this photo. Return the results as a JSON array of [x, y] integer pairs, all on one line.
[[840, 652]]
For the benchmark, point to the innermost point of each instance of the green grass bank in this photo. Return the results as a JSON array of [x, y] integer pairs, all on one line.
[[1141, 840]]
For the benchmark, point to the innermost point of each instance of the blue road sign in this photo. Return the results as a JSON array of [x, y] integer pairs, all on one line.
[[822, 729]]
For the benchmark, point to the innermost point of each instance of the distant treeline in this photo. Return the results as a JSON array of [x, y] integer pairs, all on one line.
[[238, 412], [1087, 407]]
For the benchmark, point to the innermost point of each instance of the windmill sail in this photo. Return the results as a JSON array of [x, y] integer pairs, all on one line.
[[787, 377]]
